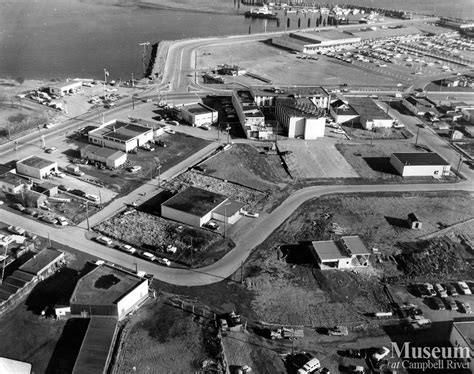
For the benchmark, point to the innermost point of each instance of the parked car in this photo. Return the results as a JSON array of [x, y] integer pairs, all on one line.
[[430, 289], [62, 221], [91, 197], [78, 193], [134, 169], [30, 235], [62, 187], [356, 369], [205, 127], [163, 261], [463, 288], [127, 248], [148, 256], [451, 290], [451, 303], [170, 131], [211, 225], [438, 304], [171, 249], [440, 290], [48, 219], [250, 214], [338, 331], [51, 150], [464, 307], [17, 230], [19, 207], [104, 240]]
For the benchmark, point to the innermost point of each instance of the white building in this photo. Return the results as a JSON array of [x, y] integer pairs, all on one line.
[[198, 114], [195, 207], [468, 115], [312, 41], [121, 135], [418, 105], [251, 118], [36, 167], [64, 87], [300, 118], [371, 116], [419, 164], [265, 96], [12, 183], [108, 291], [345, 253], [462, 336], [110, 157]]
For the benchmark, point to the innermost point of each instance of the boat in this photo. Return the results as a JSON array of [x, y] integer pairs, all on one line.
[[263, 12]]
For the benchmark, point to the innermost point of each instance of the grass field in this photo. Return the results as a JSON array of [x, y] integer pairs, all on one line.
[[244, 164]]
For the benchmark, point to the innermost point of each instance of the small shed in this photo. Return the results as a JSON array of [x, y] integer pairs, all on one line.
[[414, 222], [48, 188]]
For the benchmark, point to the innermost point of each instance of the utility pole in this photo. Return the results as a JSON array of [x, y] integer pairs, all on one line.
[[4, 264], [87, 216], [228, 133], [133, 95], [458, 168], [417, 133]]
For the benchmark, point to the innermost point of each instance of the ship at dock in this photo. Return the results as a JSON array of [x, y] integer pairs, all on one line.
[[263, 12]]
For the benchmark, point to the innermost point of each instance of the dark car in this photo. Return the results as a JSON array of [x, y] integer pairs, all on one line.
[[451, 289], [78, 193], [421, 290], [62, 187], [438, 303], [354, 353], [450, 303], [19, 207]]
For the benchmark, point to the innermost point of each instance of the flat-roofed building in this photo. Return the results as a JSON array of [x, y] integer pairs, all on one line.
[[251, 118], [9, 366], [343, 112], [198, 114], [108, 291], [43, 263], [345, 253], [13, 183], [314, 41], [36, 167], [371, 116], [265, 96], [121, 135], [461, 337], [418, 164], [110, 157], [196, 206], [300, 118], [419, 105], [64, 87]]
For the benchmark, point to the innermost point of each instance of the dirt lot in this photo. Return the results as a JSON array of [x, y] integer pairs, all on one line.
[[373, 161], [178, 148], [315, 159], [244, 164], [161, 338], [154, 234]]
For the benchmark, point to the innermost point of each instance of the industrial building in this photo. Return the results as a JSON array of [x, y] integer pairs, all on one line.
[[36, 167], [313, 41], [462, 336], [198, 114], [250, 116], [64, 87], [196, 206], [418, 105], [371, 116], [342, 112], [300, 118], [417, 164], [345, 253], [9, 366], [13, 183], [108, 291], [110, 157], [121, 135], [265, 96]]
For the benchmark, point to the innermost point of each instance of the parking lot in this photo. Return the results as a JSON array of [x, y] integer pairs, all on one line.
[[315, 159]]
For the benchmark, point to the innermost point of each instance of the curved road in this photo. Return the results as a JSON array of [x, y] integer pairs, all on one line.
[[260, 230]]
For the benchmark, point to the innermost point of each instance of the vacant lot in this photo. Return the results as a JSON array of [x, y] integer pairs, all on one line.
[[178, 148], [247, 165], [373, 161], [315, 159], [160, 338], [154, 234]]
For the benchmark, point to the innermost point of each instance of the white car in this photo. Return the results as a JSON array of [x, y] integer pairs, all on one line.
[[17, 230], [205, 127], [464, 288], [62, 221], [163, 261], [170, 131], [91, 197], [250, 214], [104, 240], [135, 169], [127, 248], [339, 131], [51, 150], [171, 249]]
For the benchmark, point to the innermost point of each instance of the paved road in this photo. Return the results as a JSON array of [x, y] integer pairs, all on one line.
[[256, 234]]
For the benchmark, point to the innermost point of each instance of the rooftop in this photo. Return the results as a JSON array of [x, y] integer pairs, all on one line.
[[195, 201], [198, 108], [343, 109], [229, 208], [65, 83], [42, 260], [36, 162], [328, 250], [301, 107], [418, 158], [303, 91], [9, 366], [104, 285], [466, 329], [317, 37], [367, 108], [354, 245], [103, 151], [12, 179], [386, 33], [120, 130]]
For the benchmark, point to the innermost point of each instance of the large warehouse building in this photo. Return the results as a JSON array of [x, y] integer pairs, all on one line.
[[371, 116], [36, 167], [195, 206], [250, 116], [121, 135], [198, 114], [265, 96], [300, 118], [110, 157], [108, 291], [314, 41], [417, 164]]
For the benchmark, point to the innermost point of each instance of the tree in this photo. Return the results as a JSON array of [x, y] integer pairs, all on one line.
[[20, 80]]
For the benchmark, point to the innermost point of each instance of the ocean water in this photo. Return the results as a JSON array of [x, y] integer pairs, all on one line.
[[45, 39]]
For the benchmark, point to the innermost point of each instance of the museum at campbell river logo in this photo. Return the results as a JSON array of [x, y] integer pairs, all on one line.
[[406, 356]]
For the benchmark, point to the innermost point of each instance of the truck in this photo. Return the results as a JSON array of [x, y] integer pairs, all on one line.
[[74, 170], [287, 333]]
